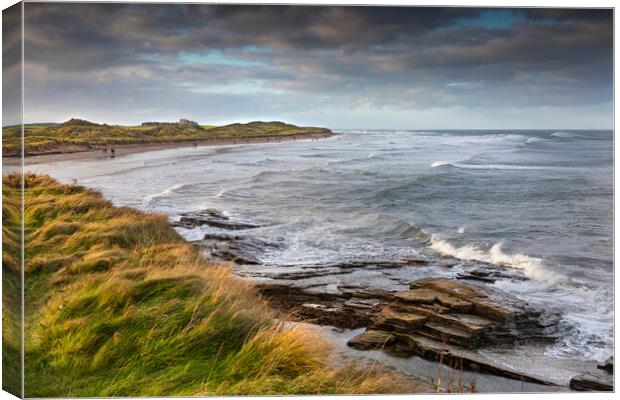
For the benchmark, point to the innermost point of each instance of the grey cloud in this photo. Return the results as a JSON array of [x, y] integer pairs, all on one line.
[[401, 57]]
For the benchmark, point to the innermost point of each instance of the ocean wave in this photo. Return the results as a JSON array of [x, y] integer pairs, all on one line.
[[499, 166], [532, 267], [440, 164], [534, 139], [562, 134], [437, 164], [353, 160], [315, 155], [168, 191], [265, 161]]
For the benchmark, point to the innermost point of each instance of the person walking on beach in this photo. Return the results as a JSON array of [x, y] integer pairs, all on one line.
[[113, 152]]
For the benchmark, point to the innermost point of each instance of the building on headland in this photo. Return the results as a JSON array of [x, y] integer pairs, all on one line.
[[181, 122]]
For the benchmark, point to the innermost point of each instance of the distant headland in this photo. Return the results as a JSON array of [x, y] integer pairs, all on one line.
[[79, 135]]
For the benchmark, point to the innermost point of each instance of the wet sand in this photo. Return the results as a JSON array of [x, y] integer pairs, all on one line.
[[69, 154]]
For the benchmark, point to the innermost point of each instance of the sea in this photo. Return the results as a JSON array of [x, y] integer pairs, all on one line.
[[540, 201]]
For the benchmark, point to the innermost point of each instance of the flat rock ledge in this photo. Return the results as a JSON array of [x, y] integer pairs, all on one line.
[[445, 320], [601, 380]]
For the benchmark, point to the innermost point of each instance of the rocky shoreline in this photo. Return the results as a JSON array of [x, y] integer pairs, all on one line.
[[460, 321]]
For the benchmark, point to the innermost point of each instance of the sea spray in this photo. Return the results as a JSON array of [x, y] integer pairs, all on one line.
[[532, 267]]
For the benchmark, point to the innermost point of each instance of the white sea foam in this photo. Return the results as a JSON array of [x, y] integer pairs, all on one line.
[[371, 155], [534, 139], [461, 230], [167, 192], [220, 194], [587, 316], [562, 134], [438, 164], [532, 267]]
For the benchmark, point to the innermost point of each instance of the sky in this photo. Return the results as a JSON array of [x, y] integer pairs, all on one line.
[[340, 67]]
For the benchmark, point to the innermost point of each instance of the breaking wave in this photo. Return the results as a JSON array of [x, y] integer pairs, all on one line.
[[437, 164], [532, 267], [168, 191], [534, 139]]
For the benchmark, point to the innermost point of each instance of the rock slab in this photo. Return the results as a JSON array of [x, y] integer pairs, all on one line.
[[446, 320]]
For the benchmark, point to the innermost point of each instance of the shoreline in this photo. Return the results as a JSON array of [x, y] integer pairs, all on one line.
[[450, 330], [224, 222], [75, 154]]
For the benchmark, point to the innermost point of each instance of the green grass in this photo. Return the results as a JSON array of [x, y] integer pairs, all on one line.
[[78, 135], [11, 283], [118, 304]]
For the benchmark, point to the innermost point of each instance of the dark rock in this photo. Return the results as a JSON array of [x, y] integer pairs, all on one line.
[[490, 275], [593, 381], [234, 256], [608, 365], [476, 277], [363, 304], [211, 217], [238, 249], [414, 261], [301, 304]]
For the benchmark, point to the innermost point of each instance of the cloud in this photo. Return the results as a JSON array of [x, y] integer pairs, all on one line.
[[278, 60]]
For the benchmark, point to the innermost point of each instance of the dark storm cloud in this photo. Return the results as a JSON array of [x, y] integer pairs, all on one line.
[[11, 64], [399, 57]]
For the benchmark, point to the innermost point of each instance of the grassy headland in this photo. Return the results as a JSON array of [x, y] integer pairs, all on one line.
[[80, 135], [118, 304]]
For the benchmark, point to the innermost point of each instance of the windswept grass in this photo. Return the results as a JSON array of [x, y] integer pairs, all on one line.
[[77, 134], [11, 283], [118, 304]]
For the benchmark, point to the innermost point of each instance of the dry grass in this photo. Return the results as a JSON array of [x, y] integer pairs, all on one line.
[[117, 304]]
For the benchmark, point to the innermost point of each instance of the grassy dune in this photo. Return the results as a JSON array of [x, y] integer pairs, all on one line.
[[118, 304], [77, 134]]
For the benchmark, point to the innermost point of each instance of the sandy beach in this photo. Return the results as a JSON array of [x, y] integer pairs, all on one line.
[[80, 153]]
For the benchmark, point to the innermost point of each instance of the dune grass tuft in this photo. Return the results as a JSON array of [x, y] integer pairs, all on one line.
[[118, 304]]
